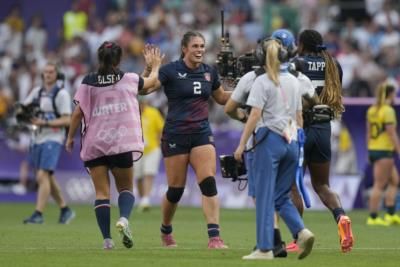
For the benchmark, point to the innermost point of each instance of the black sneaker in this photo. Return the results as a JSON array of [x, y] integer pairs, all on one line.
[[280, 251], [34, 219], [66, 216]]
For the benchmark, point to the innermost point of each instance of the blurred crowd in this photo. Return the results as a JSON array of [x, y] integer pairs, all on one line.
[[367, 47]]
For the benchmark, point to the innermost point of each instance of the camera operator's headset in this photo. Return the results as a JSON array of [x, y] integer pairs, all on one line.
[[260, 52], [229, 166], [60, 76]]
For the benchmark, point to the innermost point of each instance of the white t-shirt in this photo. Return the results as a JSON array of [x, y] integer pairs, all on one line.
[[63, 104], [241, 93]]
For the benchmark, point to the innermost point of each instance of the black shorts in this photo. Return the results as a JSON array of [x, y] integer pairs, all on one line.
[[175, 144], [318, 143], [123, 160], [375, 155]]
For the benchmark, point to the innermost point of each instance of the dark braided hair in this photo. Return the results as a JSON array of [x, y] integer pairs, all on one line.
[[331, 95], [109, 56], [187, 37]]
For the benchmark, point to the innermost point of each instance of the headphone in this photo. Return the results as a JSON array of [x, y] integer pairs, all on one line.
[[60, 78], [60, 75], [260, 53]]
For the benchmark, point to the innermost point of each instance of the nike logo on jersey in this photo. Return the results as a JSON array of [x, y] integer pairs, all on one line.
[[181, 76]]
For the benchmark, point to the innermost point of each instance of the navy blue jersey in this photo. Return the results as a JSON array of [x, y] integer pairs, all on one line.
[[314, 68], [188, 91]]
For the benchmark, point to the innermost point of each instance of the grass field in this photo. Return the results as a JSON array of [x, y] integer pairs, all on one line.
[[80, 243]]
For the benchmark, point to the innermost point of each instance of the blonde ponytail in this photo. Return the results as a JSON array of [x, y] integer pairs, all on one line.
[[272, 65]]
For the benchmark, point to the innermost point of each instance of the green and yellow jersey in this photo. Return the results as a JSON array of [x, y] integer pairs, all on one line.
[[377, 120]]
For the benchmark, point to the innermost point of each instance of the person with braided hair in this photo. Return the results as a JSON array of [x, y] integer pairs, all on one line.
[[325, 73], [383, 142]]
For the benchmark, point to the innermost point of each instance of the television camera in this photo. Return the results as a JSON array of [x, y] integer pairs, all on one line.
[[230, 67]]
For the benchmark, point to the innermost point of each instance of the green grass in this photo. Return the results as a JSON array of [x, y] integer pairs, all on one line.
[[80, 243]]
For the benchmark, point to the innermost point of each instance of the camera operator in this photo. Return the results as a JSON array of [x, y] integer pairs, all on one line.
[[235, 108], [239, 97], [276, 84], [48, 138]]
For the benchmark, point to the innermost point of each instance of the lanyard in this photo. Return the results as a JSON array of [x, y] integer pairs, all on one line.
[[284, 97], [301, 138]]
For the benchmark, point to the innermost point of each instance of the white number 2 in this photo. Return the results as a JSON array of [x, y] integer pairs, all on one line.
[[197, 88]]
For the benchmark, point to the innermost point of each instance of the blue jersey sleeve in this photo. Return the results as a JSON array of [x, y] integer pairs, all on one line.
[[163, 73]]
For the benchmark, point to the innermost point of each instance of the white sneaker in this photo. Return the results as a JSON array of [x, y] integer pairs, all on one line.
[[305, 241], [19, 189], [124, 231], [144, 204], [258, 255], [108, 244]]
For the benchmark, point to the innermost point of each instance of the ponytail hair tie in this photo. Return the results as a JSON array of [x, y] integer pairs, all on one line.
[[321, 48], [108, 45]]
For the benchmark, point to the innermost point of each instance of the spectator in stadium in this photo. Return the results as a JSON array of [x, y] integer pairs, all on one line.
[[325, 73], [187, 138], [75, 21], [147, 166], [275, 113], [107, 105], [54, 103], [383, 144]]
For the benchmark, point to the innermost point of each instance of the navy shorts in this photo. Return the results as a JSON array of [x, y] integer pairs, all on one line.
[[318, 143], [122, 160], [176, 144], [375, 155]]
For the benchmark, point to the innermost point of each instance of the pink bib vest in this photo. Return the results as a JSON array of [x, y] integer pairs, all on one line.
[[111, 122]]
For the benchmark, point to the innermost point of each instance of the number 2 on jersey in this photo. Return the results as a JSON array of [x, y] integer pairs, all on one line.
[[197, 88]]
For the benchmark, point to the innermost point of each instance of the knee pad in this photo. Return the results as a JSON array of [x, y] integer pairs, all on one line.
[[208, 187], [174, 194]]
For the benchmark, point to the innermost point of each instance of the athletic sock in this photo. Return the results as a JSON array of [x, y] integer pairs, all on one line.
[[64, 209], [277, 237], [102, 208], [373, 215], [391, 210], [166, 229], [337, 213], [36, 212], [126, 200], [213, 230]]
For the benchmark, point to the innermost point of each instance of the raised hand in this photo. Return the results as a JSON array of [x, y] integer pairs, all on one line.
[[147, 54]]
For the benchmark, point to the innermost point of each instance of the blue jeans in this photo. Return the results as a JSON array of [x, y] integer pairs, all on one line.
[[274, 164]]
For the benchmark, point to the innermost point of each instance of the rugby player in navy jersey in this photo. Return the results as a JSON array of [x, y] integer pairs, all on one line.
[[187, 138], [326, 74]]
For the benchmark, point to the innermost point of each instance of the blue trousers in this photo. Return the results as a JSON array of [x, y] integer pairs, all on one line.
[[274, 166]]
